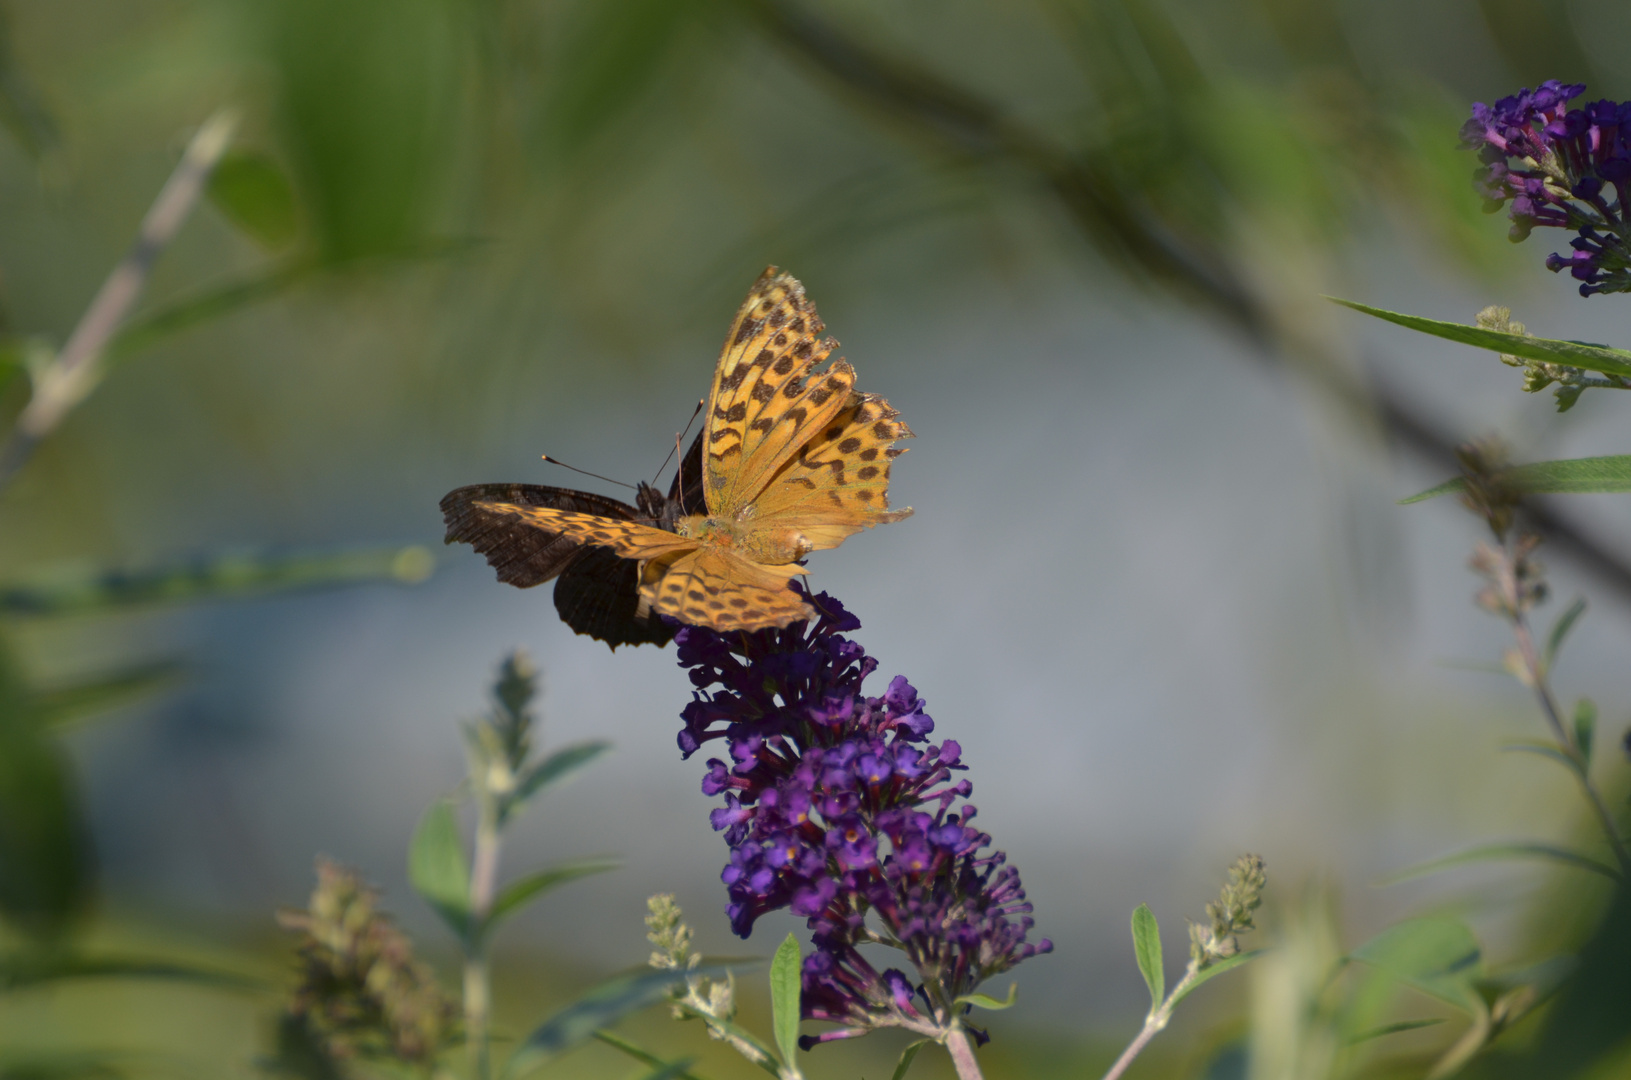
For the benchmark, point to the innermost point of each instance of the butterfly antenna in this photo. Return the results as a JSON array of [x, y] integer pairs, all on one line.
[[678, 439], [585, 472]]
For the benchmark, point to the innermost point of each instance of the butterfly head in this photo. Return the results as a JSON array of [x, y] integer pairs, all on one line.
[[655, 505]]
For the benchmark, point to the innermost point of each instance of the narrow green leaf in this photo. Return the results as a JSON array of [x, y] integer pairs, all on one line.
[[1573, 353], [672, 1070], [437, 867], [1501, 852], [1573, 476], [65, 704], [1438, 956], [46, 880], [527, 888], [986, 1001], [1393, 1029], [602, 1005], [1209, 973], [1560, 629], [641, 1054], [556, 767], [906, 1057], [1539, 748], [255, 195], [786, 974], [1585, 726], [1147, 948], [164, 321]]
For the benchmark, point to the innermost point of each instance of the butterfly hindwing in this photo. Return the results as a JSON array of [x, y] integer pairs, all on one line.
[[599, 595], [715, 588]]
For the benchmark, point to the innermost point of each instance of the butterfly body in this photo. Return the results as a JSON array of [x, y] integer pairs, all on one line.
[[789, 461]]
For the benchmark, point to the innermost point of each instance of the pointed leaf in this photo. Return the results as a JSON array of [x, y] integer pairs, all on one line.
[[1499, 852], [906, 1057], [437, 866], [1542, 749], [1573, 353], [786, 973], [523, 890], [556, 767], [1573, 476], [104, 693], [1207, 974], [672, 1070], [989, 1003], [1393, 1029], [255, 195], [1438, 956], [1147, 948], [19, 970], [640, 1053], [1560, 629], [1585, 726], [602, 1005]]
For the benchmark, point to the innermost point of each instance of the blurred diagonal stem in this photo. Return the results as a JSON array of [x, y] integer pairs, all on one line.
[[1116, 221], [478, 989], [75, 371]]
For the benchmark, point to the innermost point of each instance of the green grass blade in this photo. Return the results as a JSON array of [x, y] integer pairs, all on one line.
[[641, 1054], [1501, 852], [1573, 353], [1572, 476]]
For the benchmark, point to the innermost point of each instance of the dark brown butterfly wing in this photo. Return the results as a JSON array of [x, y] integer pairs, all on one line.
[[599, 595], [524, 555], [597, 592]]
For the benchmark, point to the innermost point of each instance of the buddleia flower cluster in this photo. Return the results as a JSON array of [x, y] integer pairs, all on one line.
[[839, 808], [1564, 168], [361, 993]]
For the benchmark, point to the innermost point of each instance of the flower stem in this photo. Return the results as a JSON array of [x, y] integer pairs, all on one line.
[[1154, 1024], [477, 977], [962, 1053]]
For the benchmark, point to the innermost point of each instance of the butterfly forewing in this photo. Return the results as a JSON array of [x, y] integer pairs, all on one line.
[[522, 556]]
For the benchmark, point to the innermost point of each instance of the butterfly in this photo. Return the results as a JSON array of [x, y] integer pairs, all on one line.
[[790, 460]]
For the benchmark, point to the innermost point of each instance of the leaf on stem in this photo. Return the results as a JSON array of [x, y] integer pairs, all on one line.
[[1147, 948], [556, 767], [437, 867], [24, 970], [1212, 971], [602, 1005], [1585, 726], [642, 1055], [1540, 748], [527, 888], [1500, 852], [786, 973], [1393, 1029], [1437, 955], [1560, 629], [1572, 476], [75, 701], [1578, 354], [986, 1001], [255, 195]]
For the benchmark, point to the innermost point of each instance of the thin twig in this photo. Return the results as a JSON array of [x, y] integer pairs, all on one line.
[[1113, 219], [71, 377]]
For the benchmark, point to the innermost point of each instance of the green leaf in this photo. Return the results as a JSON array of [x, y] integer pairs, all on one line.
[[1393, 1029], [989, 1003], [437, 866], [1573, 353], [153, 326], [25, 969], [640, 1053], [786, 972], [255, 195], [1499, 852], [75, 701], [1147, 948], [556, 767], [1437, 955], [671, 1070], [1585, 726], [1560, 629], [1542, 749], [1207, 974], [906, 1057], [71, 590], [522, 891], [602, 1005], [46, 879], [1574, 476]]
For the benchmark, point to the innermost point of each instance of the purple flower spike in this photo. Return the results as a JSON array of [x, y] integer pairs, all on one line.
[[838, 808], [1557, 167]]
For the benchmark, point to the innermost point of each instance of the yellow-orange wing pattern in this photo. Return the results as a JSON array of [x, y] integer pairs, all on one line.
[[629, 539], [718, 589], [764, 404]]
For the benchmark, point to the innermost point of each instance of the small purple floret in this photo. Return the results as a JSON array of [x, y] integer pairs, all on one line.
[[1556, 167], [838, 807]]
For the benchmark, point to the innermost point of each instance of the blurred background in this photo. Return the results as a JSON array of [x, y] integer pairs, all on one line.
[[1156, 584]]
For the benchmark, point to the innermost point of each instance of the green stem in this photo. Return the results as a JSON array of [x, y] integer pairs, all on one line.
[[477, 977], [1154, 1024]]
